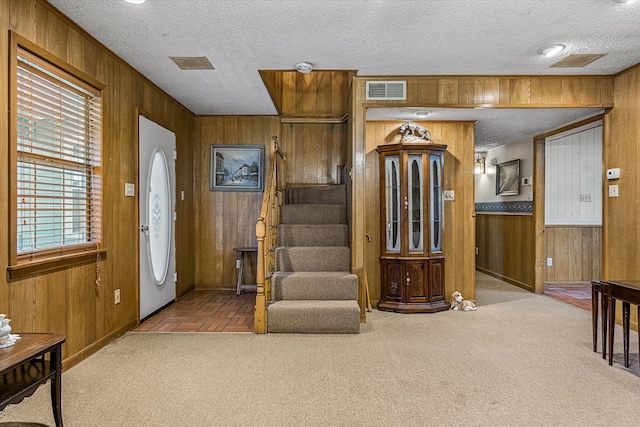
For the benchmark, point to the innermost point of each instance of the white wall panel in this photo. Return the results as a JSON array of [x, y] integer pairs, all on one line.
[[573, 178]]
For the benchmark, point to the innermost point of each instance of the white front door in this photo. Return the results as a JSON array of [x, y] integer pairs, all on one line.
[[157, 206]]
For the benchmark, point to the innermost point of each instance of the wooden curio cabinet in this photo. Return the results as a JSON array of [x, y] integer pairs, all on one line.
[[412, 226]]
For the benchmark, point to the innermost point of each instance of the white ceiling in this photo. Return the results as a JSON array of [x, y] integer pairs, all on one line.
[[375, 37]]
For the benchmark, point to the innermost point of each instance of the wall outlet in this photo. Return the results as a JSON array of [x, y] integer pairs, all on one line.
[[549, 262], [117, 296], [237, 263], [585, 197], [476, 250]]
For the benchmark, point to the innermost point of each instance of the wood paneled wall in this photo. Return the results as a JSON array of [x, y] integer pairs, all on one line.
[[226, 219], [506, 91], [621, 149], [69, 301], [506, 248], [315, 151], [322, 94], [458, 215], [576, 254]]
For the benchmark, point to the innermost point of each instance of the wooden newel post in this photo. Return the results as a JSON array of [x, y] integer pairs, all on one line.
[[260, 315]]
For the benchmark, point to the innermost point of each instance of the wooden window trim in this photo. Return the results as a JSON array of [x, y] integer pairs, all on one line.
[[37, 262]]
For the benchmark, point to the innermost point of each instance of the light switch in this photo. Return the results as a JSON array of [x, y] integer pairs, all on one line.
[[449, 195], [613, 191], [129, 189]]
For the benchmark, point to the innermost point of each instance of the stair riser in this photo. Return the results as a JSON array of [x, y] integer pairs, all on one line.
[[313, 235], [314, 320], [285, 286], [313, 259], [317, 194], [313, 214]]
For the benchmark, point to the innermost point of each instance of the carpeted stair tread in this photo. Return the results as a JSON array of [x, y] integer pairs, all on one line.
[[313, 258], [313, 214], [305, 285], [313, 235], [322, 194], [314, 317]]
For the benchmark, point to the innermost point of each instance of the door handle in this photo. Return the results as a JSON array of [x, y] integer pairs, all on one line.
[[144, 228]]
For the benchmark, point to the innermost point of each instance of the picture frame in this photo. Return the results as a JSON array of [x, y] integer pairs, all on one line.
[[236, 168], [508, 178]]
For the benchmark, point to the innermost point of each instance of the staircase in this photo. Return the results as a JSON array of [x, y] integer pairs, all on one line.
[[312, 288]]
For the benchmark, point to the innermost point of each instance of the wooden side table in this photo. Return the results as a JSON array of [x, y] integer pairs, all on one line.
[[240, 256], [627, 291], [24, 368]]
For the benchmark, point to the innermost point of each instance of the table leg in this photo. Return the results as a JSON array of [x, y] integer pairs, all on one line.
[[56, 385], [594, 316], [611, 303], [625, 331], [240, 265]]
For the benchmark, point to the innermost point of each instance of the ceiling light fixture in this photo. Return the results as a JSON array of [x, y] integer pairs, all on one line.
[[550, 51], [303, 67], [627, 1], [135, 1], [422, 113]]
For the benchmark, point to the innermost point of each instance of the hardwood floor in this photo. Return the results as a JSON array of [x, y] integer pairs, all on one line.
[[205, 311], [578, 296]]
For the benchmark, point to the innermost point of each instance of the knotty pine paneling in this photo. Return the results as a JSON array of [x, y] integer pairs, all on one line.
[[576, 254], [69, 301], [504, 91], [226, 219], [506, 247], [458, 176]]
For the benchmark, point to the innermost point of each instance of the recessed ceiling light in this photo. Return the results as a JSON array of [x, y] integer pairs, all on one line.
[[627, 1], [135, 1], [422, 113], [304, 67], [551, 50]]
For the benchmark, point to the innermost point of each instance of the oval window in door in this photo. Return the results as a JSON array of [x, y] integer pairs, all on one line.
[[159, 217]]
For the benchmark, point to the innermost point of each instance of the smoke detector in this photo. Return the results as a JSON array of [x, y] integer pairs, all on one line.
[[303, 67]]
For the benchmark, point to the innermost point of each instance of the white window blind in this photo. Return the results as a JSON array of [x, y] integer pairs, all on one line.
[[58, 159]]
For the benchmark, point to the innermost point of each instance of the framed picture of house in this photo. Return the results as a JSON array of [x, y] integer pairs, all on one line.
[[508, 178], [236, 168]]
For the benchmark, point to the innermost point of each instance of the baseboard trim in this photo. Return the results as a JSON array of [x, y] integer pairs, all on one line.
[[74, 359], [509, 280], [566, 284]]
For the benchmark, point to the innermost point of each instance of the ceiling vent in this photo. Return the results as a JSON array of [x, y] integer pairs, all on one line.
[[578, 60], [192, 62], [387, 90]]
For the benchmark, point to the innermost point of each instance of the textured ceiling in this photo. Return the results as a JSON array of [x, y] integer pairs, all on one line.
[[375, 37]]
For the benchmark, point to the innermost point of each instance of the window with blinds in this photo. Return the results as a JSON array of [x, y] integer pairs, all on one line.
[[58, 186]]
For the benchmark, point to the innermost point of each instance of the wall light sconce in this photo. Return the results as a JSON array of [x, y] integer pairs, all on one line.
[[479, 169]]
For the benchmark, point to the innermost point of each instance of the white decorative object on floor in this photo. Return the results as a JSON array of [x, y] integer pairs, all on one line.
[[458, 303]]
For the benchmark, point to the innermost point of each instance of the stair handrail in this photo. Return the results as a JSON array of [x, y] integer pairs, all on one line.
[[266, 231]]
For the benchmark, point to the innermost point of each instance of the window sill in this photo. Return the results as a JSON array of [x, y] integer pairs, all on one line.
[[45, 265]]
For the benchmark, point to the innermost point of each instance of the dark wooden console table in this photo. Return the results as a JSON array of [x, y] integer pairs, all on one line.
[[24, 367], [627, 291]]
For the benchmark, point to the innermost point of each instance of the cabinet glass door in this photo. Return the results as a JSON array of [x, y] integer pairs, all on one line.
[[392, 197], [415, 203], [436, 202]]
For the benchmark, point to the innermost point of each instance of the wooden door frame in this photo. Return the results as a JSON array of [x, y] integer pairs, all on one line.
[[538, 195]]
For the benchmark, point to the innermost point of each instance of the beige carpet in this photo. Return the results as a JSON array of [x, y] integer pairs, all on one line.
[[521, 359]]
